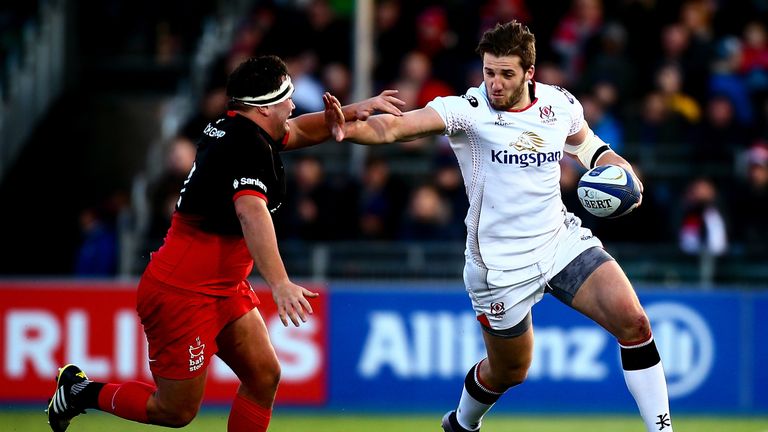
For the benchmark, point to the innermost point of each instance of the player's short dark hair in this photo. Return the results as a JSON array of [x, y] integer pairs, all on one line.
[[254, 77], [511, 38]]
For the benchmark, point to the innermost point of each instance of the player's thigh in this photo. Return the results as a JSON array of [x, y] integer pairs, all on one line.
[[607, 297], [245, 347]]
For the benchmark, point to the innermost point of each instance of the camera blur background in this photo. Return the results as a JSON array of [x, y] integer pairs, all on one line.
[[101, 103]]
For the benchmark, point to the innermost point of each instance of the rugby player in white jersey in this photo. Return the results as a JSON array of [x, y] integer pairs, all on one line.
[[509, 135]]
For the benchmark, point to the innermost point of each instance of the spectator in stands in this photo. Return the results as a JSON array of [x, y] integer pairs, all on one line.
[[696, 17], [337, 80], [328, 34], [702, 230], [417, 86], [428, 217], [496, 11], [603, 122], [754, 59], [726, 79], [610, 63], [394, 33], [98, 252], [447, 179], [311, 210], [644, 22], [308, 93], [381, 199], [163, 193], [548, 71], [417, 68], [669, 81], [719, 137], [749, 204], [583, 21], [656, 124], [436, 39]]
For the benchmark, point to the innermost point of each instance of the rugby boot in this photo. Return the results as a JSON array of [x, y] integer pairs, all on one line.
[[62, 407], [450, 424]]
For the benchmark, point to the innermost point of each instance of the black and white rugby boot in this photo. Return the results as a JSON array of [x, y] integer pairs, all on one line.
[[62, 407], [450, 424]]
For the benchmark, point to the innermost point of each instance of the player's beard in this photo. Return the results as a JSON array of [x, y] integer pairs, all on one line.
[[514, 98]]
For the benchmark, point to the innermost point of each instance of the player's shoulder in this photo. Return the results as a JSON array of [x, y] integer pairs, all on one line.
[[473, 99], [555, 94]]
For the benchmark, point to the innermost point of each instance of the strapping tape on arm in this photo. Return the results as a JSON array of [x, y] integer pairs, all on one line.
[[589, 151]]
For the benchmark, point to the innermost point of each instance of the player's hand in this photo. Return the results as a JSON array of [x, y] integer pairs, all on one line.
[[385, 102], [636, 178], [334, 117], [292, 303]]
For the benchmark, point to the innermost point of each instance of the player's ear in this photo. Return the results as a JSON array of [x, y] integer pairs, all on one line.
[[530, 72]]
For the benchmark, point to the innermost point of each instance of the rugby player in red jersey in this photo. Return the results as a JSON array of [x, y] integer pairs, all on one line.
[[194, 299]]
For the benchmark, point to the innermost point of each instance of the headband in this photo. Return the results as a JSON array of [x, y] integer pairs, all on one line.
[[275, 97]]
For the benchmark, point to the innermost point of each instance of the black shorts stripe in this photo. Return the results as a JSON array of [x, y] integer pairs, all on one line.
[[566, 284], [513, 331]]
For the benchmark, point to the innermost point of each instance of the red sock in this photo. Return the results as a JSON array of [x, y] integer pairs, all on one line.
[[247, 416], [127, 400]]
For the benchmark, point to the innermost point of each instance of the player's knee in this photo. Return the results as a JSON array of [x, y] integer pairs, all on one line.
[[180, 417], [264, 381], [634, 327], [272, 377]]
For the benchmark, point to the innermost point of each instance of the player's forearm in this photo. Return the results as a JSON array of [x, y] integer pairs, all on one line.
[[376, 130], [310, 129], [613, 158]]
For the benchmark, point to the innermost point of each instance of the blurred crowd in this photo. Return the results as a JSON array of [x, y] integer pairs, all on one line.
[[679, 87]]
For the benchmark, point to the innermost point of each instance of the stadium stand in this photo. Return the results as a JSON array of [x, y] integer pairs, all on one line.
[[663, 73]]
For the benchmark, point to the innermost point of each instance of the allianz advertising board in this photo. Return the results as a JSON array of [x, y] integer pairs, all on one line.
[[402, 347], [405, 348]]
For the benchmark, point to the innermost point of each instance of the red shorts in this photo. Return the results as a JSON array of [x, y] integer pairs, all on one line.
[[182, 325]]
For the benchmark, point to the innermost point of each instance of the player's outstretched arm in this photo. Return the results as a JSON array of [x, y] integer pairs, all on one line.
[[310, 129], [381, 128], [259, 232]]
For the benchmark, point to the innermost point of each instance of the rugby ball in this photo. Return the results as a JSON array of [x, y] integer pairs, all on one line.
[[608, 191]]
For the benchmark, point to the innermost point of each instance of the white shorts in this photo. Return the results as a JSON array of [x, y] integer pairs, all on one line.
[[503, 298]]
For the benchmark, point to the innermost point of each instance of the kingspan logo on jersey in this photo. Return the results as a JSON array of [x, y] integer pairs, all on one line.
[[526, 142]]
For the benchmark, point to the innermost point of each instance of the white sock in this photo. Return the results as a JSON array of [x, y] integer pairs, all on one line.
[[471, 410], [649, 388]]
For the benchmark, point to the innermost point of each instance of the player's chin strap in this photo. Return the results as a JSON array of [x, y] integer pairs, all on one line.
[[275, 97], [590, 150]]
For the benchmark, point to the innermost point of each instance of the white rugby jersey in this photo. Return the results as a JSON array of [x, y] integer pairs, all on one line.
[[510, 164]]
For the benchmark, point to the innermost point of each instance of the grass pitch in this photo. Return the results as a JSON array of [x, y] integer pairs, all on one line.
[[207, 421]]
